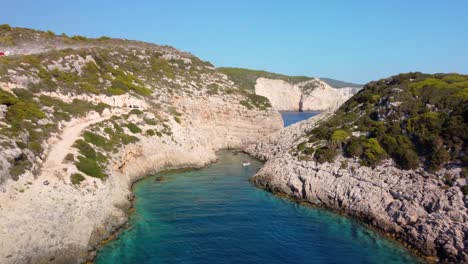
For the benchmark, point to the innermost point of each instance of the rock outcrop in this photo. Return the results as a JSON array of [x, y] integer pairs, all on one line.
[[310, 95], [414, 206]]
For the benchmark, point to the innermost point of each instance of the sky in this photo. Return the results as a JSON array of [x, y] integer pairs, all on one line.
[[349, 40]]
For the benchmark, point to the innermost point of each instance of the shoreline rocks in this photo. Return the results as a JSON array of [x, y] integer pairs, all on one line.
[[414, 206]]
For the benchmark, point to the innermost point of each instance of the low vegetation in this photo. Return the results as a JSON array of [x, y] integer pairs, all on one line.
[[416, 119], [77, 178]]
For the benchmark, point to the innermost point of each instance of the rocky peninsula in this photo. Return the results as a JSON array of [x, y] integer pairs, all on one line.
[[421, 201]]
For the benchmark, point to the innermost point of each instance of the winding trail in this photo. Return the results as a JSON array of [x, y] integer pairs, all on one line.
[[37, 201], [60, 149]]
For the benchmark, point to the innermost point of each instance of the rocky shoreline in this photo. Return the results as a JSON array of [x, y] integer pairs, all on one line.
[[413, 206]]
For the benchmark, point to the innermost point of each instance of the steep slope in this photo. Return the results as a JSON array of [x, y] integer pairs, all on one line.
[[293, 93], [82, 119], [393, 156], [311, 95]]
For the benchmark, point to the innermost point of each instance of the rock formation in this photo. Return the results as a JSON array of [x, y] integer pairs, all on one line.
[[425, 209], [310, 95]]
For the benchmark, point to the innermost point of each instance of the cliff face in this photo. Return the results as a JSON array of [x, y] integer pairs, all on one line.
[[321, 161], [79, 125], [310, 95]]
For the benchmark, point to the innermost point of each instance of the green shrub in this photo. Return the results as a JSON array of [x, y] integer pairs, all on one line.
[[24, 110], [135, 112], [308, 151], [173, 111], [127, 139], [76, 108], [95, 139], [7, 41], [301, 146], [19, 167], [70, 157], [150, 132], [339, 135], [90, 167], [5, 27], [151, 122], [246, 104], [85, 149], [77, 178], [325, 154], [438, 158], [141, 90], [44, 74], [116, 91], [7, 98], [464, 189], [79, 38], [373, 152], [354, 147], [133, 128], [89, 88]]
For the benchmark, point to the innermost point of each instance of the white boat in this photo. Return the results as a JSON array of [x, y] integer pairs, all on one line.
[[246, 164]]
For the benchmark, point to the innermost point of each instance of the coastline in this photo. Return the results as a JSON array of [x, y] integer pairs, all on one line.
[[421, 258], [410, 206], [414, 251], [116, 233]]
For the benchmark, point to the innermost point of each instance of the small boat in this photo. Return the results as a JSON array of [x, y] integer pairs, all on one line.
[[245, 164]]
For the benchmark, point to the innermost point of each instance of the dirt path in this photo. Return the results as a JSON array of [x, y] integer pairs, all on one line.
[[59, 149]]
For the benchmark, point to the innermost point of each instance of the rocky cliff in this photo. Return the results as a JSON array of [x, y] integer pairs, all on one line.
[[82, 119], [294, 93], [348, 161], [311, 95]]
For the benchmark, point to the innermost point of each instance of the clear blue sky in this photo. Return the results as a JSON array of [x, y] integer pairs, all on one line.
[[348, 40]]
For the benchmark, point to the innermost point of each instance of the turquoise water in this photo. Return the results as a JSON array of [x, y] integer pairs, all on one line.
[[214, 215], [290, 118]]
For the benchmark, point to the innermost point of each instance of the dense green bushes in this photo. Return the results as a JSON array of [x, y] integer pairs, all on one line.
[[133, 128], [20, 109], [89, 162], [416, 119]]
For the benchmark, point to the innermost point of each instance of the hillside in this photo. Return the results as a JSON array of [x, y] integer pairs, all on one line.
[[292, 93], [82, 119], [392, 156], [40, 90], [416, 119], [247, 78]]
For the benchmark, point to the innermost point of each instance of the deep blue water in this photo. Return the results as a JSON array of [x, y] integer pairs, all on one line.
[[290, 118], [214, 215]]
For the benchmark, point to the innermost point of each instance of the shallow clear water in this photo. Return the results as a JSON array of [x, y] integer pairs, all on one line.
[[290, 118], [214, 215]]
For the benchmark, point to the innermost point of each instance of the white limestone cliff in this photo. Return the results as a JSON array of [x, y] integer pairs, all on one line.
[[312, 95]]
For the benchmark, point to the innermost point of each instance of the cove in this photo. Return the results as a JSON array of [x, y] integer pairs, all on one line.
[[214, 215]]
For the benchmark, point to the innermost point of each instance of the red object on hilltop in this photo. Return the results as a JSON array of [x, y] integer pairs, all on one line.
[[2, 53]]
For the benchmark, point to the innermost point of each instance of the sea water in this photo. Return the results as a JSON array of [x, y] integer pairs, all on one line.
[[215, 215]]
